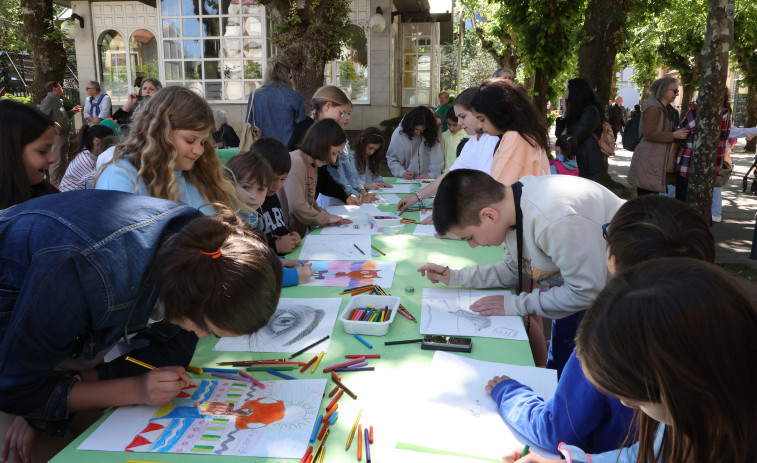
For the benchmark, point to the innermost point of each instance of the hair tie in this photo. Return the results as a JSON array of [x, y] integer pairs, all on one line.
[[215, 254]]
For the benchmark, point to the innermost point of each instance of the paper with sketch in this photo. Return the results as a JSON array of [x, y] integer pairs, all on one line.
[[359, 215], [447, 311], [458, 401], [424, 230], [353, 212], [403, 188], [386, 199], [336, 247], [218, 417], [412, 180], [352, 274], [296, 323]]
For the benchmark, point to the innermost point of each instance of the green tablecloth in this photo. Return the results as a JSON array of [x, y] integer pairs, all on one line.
[[373, 388]]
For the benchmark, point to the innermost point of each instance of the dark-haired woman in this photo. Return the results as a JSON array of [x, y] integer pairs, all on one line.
[[583, 117], [506, 111], [415, 150], [368, 156]]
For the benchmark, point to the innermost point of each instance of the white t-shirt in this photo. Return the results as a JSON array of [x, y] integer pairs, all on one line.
[[477, 154]]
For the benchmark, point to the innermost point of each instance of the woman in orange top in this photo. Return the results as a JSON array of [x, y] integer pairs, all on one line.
[[505, 110]]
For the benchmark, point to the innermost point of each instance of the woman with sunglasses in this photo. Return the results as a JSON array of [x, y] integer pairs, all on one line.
[[654, 156]]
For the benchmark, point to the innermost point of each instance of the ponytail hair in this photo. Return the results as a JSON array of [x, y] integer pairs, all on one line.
[[88, 134], [219, 270]]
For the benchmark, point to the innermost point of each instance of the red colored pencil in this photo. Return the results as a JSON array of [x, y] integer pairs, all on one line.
[[371, 356]]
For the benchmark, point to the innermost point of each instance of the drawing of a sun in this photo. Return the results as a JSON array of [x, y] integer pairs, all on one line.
[[297, 415]]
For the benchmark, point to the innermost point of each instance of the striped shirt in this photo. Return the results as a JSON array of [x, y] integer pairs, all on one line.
[[79, 172]]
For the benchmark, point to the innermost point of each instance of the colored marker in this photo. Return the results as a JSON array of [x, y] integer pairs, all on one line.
[[363, 341], [344, 364], [308, 347], [525, 451], [140, 363], [280, 375], [352, 432], [315, 430], [252, 380], [407, 341], [367, 446], [315, 365]]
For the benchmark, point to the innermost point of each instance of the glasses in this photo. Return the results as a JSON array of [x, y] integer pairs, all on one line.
[[674, 90], [88, 88], [604, 231]]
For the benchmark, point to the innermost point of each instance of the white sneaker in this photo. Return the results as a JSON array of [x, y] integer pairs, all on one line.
[[717, 218]]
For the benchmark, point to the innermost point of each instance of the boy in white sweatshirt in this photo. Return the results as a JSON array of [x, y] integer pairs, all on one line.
[[562, 246]]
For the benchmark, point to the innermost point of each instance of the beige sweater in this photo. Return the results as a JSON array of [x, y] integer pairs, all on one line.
[[298, 195]]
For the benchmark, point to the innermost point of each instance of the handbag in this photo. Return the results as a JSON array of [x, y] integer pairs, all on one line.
[[607, 141], [724, 174], [250, 132]]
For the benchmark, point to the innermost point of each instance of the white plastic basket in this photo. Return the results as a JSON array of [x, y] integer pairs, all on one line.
[[369, 328]]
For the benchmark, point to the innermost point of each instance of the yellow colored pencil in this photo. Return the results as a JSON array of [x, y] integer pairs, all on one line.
[[315, 365], [192, 369], [354, 427], [379, 250], [140, 363]]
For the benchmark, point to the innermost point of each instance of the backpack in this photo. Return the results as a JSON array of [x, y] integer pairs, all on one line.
[[631, 136], [607, 140]]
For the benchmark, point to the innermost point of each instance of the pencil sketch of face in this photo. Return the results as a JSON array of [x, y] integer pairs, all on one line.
[[291, 323]]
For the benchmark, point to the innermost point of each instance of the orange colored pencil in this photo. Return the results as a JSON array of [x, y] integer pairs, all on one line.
[[359, 442]]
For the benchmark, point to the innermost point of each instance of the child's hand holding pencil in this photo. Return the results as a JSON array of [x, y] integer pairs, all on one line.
[[522, 455], [435, 273]]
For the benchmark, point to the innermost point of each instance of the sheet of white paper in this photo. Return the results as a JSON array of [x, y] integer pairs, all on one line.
[[359, 215], [403, 188], [352, 274], [290, 408], [447, 311], [296, 324], [424, 230], [414, 180], [351, 212], [426, 214], [386, 200], [450, 396], [336, 247]]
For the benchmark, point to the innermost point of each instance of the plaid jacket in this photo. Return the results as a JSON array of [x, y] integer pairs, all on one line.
[[683, 160]]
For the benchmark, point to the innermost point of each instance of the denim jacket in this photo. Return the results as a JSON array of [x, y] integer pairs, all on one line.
[[346, 174], [74, 278], [278, 108]]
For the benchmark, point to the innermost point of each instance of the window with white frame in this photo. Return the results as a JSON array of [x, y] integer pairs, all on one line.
[[418, 50], [215, 46], [113, 75], [350, 72]]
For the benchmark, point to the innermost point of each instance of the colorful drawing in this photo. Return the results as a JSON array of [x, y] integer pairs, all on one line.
[[221, 417], [345, 274]]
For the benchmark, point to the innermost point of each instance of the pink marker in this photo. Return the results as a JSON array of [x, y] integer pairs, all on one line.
[[345, 364], [252, 380]]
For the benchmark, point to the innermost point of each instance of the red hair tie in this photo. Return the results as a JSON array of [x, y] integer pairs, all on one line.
[[214, 254]]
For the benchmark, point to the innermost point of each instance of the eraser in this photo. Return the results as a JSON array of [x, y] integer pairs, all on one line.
[[409, 289]]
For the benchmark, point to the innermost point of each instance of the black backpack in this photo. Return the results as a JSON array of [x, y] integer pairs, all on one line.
[[631, 136]]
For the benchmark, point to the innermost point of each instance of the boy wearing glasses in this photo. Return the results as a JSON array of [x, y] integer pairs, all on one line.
[[557, 221]]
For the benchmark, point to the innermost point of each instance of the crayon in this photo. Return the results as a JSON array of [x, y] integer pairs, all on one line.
[[280, 375], [333, 418], [371, 435], [323, 432], [315, 430], [357, 365], [228, 376], [359, 442], [331, 412], [252, 380], [309, 363], [307, 454], [525, 451], [363, 341], [333, 391], [368, 356], [407, 341], [346, 389], [333, 401], [192, 369], [336, 376], [344, 364], [367, 447], [315, 365], [271, 367], [220, 370], [379, 250], [355, 369]]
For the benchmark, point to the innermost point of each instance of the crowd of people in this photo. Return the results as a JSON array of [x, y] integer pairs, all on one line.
[[629, 286]]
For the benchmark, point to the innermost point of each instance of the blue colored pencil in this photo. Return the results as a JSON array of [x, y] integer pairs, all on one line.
[[355, 369], [280, 375], [315, 430], [363, 341], [332, 420]]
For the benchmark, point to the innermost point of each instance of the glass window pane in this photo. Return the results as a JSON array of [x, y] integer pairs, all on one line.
[[210, 7], [212, 48], [189, 8], [211, 27], [171, 28], [424, 45], [411, 62], [424, 96], [424, 63], [232, 69], [252, 49], [228, 8], [172, 49], [213, 91], [353, 80], [143, 49], [192, 49], [252, 26], [231, 27], [212, 70], [172, 70], [250, 86], [232, 48], [191, 27], [423, 80], [409, 45], [407, 80], [113, 65], [408, 98], [234, 91], [253, 70], [327, 73], [192, 70], [169, 7]]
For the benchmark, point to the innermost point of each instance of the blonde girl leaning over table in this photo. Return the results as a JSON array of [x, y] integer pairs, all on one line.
[[505, 110], [170, 155], [321, 146], [673, 338]]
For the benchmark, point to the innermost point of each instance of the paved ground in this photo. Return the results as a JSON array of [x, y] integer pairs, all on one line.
[[733, 236]]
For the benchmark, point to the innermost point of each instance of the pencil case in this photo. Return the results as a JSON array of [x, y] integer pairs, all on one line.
[[371, 328]]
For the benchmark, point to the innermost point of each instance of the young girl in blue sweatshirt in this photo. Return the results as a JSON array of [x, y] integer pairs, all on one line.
[[673, 338], [565, 156], [579, 413]]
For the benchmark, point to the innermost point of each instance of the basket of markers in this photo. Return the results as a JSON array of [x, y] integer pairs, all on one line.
[[369, 314]]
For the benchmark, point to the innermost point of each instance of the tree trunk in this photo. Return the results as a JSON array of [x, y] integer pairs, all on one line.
[[751, 116], [541, 87], [603, 34], [717, 45], [528, 83], [307, 74], [688, 91], [645, 89], [44, 45]]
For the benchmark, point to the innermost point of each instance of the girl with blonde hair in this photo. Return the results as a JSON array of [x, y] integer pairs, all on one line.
[[169, 154]]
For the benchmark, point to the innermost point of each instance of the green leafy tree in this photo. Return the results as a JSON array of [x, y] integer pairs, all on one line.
[[309, 36], [11, 26], [45, 45], [745, 58], [492, 31]]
